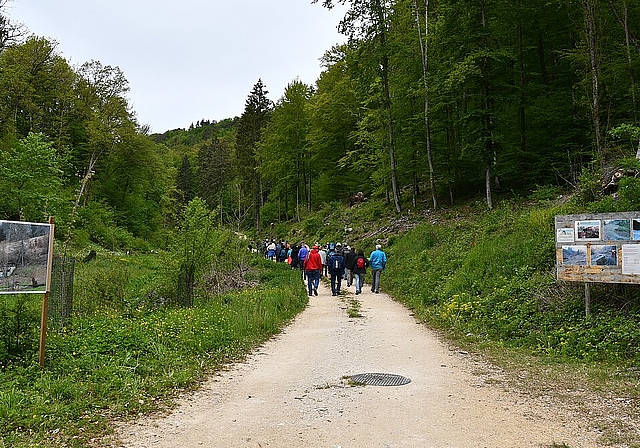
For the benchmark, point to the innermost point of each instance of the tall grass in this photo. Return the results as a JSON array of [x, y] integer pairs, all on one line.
[[109, 365], [489, 276]]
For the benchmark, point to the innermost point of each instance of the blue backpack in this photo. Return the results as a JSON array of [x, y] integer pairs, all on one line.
[[337, 263]]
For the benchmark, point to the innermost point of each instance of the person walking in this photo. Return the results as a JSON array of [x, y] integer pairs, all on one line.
[[378, 262], [323, 255], [294, 257], [303, 252], [313, 267], [271, 251], [359, 270], [349, 255], [336, 269]]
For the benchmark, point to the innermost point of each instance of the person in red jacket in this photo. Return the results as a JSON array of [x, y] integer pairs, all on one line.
[[313, 267]]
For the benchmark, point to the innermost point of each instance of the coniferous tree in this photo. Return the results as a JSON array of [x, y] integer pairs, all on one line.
[[254, 118], [214, 172], [185, 183]]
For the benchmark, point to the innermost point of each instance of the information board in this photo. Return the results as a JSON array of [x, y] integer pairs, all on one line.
[[598, 248], [26, 250]]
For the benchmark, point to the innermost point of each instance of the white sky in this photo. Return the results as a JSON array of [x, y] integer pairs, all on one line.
[[186, 60]]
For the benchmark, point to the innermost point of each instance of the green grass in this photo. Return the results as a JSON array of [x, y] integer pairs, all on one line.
[[353, 308], [490, 276], [111, 366], [484, 278]]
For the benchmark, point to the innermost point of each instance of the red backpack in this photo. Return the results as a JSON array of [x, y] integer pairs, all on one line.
[[360, 263]]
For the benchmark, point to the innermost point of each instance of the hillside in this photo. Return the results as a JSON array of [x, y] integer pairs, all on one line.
[[486, 280]]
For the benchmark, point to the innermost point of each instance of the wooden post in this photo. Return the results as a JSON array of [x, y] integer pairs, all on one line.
[[587, 299], [45, 300], [43, 327]]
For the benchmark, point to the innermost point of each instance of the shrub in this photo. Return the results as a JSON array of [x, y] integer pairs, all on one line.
[[19, 327]]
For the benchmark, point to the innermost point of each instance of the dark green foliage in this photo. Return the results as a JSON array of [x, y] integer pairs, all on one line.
[[99, 223], [215, 173], [31, 180], [19, 324], [185, 183], [254, 118]]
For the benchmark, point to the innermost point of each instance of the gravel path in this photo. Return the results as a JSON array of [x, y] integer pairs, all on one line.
[[293, 392]]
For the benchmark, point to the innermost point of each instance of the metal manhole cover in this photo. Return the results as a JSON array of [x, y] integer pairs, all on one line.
[[380, 379]]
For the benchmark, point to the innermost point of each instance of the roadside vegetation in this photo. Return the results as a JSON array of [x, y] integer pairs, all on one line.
[[485, 280], [111, 365]]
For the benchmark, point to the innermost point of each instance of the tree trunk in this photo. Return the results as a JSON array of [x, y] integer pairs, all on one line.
[[387, 104], [298, 189], [628, 37], [309, 199], [487, 181], [490, 146], [523, 127], [424, 49], [631, 39], [588, 7], [392, 142]]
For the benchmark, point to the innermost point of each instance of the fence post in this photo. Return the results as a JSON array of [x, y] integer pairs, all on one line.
[[587, 299], [45, 299]]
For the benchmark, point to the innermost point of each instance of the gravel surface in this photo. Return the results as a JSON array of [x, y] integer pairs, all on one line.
[[294, 391]]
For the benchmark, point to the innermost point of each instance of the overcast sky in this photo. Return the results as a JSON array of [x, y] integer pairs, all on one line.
[[186, 60]]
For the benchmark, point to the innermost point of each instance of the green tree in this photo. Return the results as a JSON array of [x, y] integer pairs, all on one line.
[[285, 162], [186, 184], [103, 103], [37, 86], [369, 20], [334, 113], [254, 118], [214, 172], [192, 249], [31, 180], [10, 33], [134, 182]]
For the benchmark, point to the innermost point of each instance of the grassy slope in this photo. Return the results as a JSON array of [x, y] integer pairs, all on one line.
[[486, 281]]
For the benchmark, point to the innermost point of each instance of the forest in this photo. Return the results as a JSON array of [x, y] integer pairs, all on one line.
[[452, 131], [427, 104]]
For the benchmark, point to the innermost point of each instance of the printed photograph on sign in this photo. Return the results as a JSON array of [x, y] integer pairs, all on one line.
[[574, 255], [24, 257], [587, 230], [602, 255], [635, 224], [564, 235], [617, 230]]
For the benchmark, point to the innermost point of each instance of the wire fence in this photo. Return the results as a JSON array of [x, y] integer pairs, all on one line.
[[61, 293]]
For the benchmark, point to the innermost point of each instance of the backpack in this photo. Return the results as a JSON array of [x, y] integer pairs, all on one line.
[[337, 263], [360, 263]]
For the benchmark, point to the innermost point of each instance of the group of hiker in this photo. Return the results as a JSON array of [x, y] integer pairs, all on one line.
[[334, 261]]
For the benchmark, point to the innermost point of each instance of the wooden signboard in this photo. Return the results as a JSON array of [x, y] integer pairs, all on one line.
[[598, 248]]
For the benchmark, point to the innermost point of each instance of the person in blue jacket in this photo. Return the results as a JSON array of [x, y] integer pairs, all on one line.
[[378, 262], [336, 269]]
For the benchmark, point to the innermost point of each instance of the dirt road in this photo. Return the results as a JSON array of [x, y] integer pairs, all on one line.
[[293, 392]]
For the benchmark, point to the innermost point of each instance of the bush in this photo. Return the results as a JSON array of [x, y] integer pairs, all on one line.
[[19, 328]]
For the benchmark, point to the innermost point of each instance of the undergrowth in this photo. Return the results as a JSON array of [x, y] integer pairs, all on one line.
[[110, 365]]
